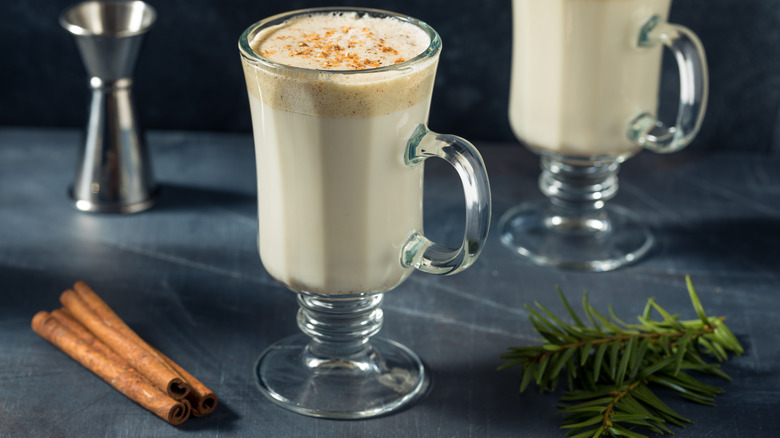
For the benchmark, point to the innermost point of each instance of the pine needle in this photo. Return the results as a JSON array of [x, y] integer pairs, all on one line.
[[610, 366]]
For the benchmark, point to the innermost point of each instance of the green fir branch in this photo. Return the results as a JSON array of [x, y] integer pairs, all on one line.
[[610, 365]]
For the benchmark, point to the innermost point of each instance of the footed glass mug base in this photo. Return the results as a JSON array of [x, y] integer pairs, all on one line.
[[336, 368], [576, 228], [380, 380], [612, 239]]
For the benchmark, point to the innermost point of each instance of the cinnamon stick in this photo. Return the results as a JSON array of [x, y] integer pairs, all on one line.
[[63, 316], [140, 358], [202, 399], [126, 380]]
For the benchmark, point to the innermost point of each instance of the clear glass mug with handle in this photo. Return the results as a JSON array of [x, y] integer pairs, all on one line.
[[584, 91], [339, 165]]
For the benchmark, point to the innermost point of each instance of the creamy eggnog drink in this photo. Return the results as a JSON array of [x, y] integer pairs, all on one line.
[[584, 95], [339, 101], [578, 76], [336, 200]]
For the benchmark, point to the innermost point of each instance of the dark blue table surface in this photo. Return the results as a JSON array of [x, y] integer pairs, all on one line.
[[187, 277]]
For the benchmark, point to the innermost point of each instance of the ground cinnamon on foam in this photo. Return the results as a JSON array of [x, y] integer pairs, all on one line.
[[341, 42]]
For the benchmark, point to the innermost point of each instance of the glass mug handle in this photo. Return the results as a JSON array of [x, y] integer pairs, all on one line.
[[688, 51], [418, 251]]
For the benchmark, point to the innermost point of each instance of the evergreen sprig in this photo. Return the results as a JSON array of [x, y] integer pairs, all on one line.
[[610, 365]]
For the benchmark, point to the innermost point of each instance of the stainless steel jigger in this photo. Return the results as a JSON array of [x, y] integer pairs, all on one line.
[[114, 174]]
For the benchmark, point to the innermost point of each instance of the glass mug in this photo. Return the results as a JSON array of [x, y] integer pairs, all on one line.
[[340, 186], [584, 91]]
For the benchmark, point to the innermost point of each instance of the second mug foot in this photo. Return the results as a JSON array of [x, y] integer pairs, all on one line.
[[534, 231]]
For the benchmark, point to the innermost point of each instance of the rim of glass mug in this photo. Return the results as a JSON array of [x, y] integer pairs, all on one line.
[[433, 49]]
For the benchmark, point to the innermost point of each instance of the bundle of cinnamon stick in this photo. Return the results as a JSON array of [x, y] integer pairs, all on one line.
[[88, 331]]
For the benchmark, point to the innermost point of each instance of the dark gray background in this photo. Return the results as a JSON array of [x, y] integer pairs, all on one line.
[[189, 74]]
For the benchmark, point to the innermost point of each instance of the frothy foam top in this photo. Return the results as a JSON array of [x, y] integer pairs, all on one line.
[[341, 41], [328, 43]]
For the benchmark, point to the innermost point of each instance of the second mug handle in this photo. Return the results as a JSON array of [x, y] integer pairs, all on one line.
[[419, 252], [648, 131]]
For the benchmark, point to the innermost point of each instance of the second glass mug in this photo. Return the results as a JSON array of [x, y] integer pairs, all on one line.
[[584, 88], [339, 157]]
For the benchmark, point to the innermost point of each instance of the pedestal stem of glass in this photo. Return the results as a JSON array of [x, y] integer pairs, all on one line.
[[339, 328], [336, 368], [576, 229]]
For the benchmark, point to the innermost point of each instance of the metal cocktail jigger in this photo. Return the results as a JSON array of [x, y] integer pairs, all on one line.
[[114, 174]]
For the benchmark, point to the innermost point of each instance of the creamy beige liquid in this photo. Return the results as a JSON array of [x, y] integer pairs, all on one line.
[[578, 77], [336, 201]]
